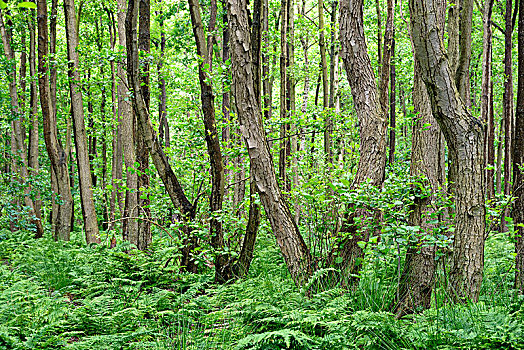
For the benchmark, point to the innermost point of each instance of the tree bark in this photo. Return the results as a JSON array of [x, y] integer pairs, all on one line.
[[126, 115], [223, 271], [427, 164], [325, 83], [148, 134], [372, 119], [508, 105], [518, 160], [82, 154], [392, 104], [144, 238], [487, 97], [465, 138], [292, 245], [56, 153]]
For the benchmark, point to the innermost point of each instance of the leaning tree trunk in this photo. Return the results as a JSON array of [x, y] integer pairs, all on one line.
[[55, 151], [148, 134], [223, 270], [82, 153], [17, 130], [518, 161], [372, 117], [465, 138], [292, 245]]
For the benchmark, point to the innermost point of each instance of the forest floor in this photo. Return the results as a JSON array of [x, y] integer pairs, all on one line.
[[56, 295]]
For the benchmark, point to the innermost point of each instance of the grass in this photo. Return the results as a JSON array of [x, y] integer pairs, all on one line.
[[56, 295]]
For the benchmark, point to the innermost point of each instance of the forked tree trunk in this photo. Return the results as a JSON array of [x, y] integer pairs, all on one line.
[[292, 245], [148, 134], [17, 131], [427, 160], [518, 161], [372, 117], [465, 138], [55, 151], [82, 153]]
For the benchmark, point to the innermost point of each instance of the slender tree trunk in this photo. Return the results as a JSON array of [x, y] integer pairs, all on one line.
[[284, 95], [292, 245], [518, 160], [116, 168], [163, 132], [487, 97], [325, 83], [82, 154], [465, 138], [56, 153], [126, 115], [223, 271], [508, 105], [18, 132], [143, 238], [392, 104], [33, 152], [379, 34]]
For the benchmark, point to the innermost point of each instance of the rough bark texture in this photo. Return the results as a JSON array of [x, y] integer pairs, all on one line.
[[125, 113], [56, 153], [427, 160], [18, 133], [292, 245], [373, 126], [82, 156], [465, 138], [518, 160]]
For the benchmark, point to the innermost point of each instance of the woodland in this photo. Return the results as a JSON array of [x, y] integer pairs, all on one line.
[[293, 174]]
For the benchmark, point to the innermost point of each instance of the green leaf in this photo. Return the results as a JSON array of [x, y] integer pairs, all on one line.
[[3, 5], [27, 4], [339, 260], [361, 244]]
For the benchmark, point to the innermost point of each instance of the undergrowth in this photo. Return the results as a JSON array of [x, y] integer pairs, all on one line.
[[56, 295]]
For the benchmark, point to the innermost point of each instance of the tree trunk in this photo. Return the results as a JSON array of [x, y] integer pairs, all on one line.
[[372, 119], [33, 152], [518, 160], [292, 245], [223, 271], [487, 97], [285, 145], [56, 153], [143, 239], [148, 134], [465, 138], [325, 83], [82, 154], [126, 115], [17, 132], [508, 106], [392, 105]]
